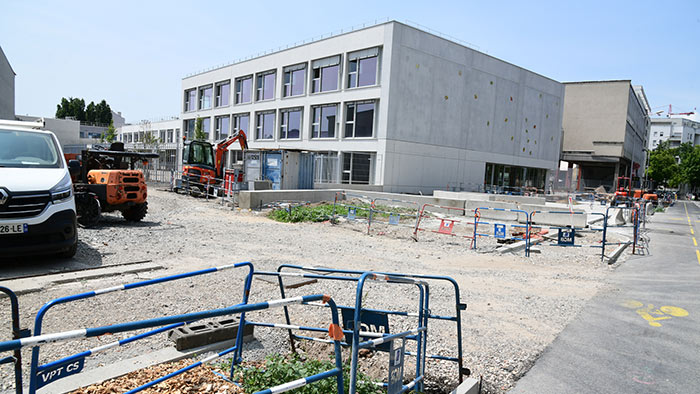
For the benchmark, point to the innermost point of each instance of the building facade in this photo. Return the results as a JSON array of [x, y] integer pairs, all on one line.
[[162, 136], [676, 130], [606, 126], [389, 106], [7, 88]]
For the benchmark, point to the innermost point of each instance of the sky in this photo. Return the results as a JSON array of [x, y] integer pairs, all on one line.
[[134, 54]]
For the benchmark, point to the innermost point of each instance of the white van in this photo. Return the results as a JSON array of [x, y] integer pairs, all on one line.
[[37, 207]]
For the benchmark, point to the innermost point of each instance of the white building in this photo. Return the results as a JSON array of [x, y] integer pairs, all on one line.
[[7, 88], [389, 105], [676, 130], [162, 136]]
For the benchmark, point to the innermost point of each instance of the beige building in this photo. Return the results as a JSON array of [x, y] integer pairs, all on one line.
[[606, 127]]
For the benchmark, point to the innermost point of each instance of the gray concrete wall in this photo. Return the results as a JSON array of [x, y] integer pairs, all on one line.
[[7, 88], [452, 109]]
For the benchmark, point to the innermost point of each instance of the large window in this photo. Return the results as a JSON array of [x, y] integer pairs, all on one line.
[[188, 128], [265, 86], [171, 137], [205, 93], [294, 80], [242, 122], [223, 93], [326, 74], [359, 119], [362, 68], [265, 125], [357, 168], [161, 136], [190, 98], [206, 127], [221, 124], [244, 90], [290, 123], [324, 121]]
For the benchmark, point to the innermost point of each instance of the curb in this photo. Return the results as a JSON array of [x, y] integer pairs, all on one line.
[[617, 252], [468, 386]]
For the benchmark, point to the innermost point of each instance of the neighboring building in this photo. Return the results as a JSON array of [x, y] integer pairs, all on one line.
[[606, 126], [161, 136], [390, 106], [676, 130], [67, 131], [7, 88]]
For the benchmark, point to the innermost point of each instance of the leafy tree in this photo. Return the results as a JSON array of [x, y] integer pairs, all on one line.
[[662, 165], [199, 130], [75, 108], [103, 113], [90, 113], [111, 134], [690, 165]]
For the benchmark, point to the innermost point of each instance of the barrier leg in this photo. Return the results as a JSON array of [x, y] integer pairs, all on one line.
[[16, 334]]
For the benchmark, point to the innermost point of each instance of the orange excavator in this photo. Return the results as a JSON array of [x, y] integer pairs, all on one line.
[[203, 163]]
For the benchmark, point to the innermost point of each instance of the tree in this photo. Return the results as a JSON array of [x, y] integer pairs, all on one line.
[[690, 165], [111, 134], [90, 112], [75, 108], [662, 165], [103, 113], [199, 130]]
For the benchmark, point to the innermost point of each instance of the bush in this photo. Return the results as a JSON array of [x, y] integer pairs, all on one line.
[[321, 213], [278, 369]]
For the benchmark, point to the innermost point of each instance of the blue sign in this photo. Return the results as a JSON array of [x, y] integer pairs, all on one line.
[[499, 230], [394, 219], [566, 236], [396, 366], [370, 322], [352, 213], [60, 371]]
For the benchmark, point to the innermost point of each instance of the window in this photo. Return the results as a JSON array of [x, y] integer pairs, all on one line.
[[190, 97], [265, 86], [356, 168], [290, 123], [294, 79], [323, 121], [188, 129], [177, 135], [242, 122], [223, 92], [205, 97], [161, 136], [265, 125], [206, 127], [359, 119], [362, 68], [222, 126], [244, 90], [325, 74], [171, 137]]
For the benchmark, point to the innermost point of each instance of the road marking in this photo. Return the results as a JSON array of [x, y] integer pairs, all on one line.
[[651, 314], [695, 242], [692, 231], [697, 253]]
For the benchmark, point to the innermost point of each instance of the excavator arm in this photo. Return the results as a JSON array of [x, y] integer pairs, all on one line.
[[222, 147]]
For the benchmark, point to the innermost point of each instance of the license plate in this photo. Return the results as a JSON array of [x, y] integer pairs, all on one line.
[[14, 228]]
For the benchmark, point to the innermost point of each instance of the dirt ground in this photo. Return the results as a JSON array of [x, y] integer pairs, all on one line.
[[516, 306]]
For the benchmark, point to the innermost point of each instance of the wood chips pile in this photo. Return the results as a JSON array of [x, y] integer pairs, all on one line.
[[197, 380]]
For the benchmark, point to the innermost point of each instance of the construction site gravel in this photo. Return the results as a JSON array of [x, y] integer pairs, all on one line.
[[516, 306]]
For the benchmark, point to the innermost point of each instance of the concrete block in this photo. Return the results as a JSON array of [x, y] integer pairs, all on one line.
[[468, 386], [200, 334], [517, 199]]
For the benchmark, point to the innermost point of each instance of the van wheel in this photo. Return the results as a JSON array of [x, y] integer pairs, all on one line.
[[136, 212], [70, 252]]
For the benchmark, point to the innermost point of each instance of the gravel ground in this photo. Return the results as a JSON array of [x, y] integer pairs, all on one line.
[[516, 305]]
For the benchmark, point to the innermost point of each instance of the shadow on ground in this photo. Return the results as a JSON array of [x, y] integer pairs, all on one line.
[[86, 257]]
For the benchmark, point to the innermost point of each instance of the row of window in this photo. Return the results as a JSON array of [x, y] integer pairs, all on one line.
[[359, 122], [362, 70], [161, 136]]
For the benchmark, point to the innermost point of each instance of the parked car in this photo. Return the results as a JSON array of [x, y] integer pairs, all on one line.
[[37, 206]]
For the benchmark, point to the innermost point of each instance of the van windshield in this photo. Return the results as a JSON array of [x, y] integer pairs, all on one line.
[[27, 149]]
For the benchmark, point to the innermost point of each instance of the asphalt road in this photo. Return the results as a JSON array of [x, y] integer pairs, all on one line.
[[641, 335]]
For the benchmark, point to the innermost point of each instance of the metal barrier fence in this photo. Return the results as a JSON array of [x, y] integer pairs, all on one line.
[[352, 214], [42, 375], [226, 190], [634, 215], [500, 229], [566, 234], [373, 212], [379, 318], [17, 333], [447, 225]]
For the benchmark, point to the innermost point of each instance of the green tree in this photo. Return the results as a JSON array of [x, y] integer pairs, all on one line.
[[662, 165], [75, 108], [690, 165], [103, 113], [199, 130], [90, 113], [111, 134]]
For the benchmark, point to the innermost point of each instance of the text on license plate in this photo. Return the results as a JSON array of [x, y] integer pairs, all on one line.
[[13, 228]]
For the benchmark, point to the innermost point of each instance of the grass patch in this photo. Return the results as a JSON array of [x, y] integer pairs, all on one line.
[[278, 369], [659, 209], [323, 212]]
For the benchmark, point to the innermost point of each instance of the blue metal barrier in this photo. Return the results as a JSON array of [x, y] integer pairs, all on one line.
[[394, 218], [17, 333], [566, 234], [635, 225], [322, 273], [500, 229], [352, 214]]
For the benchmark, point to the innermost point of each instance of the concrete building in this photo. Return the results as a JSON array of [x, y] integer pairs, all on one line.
[[162, 136], [389, 107], [676, 130], [7, 88], [606, 126]]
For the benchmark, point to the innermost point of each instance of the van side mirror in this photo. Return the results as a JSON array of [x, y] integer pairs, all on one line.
[[74, 167]]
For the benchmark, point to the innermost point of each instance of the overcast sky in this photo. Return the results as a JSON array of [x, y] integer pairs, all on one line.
[[134, 54]]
